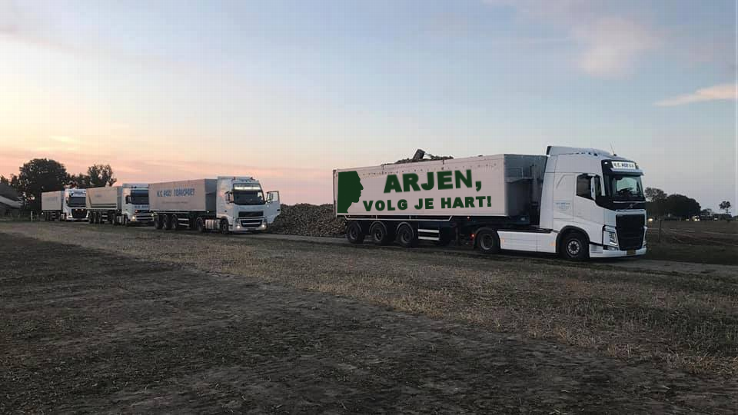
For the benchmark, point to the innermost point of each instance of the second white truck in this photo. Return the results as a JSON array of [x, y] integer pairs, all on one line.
[[226, 204], [65, 205], [125, 205]]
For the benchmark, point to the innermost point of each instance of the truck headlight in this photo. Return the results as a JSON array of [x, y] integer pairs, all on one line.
[[610, 236]]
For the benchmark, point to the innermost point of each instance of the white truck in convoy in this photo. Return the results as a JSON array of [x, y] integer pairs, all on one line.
[[64, 205], [577, 202], [226, 204], [125, 205]]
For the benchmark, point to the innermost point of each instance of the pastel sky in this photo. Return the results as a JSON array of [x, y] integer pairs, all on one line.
[[289, 90]]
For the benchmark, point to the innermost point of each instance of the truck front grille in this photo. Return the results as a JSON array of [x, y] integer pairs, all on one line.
[[79, 213], [250, 214], [630, 231]]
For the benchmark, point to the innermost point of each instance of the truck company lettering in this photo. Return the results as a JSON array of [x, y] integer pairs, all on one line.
[[177, 192], [446, 180], [441, 180]]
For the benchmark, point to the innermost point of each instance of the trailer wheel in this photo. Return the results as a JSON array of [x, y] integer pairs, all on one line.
[[111, 218], [406, 236], [167, 222], [487, 240], [354, 233], [175, 222], [575, 247], [201, 225], [224, 227], [379, 233]]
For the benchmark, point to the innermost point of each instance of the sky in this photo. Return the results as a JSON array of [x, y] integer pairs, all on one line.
[[287, 91]]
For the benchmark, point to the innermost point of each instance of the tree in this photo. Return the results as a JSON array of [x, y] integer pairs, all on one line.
[[653, 194], [79, 181], [681, 206], [655, 201], [98, 175], [38, 176], [101, 175], [4, 180], [725, 205]]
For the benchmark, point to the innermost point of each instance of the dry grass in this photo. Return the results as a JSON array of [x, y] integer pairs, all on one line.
[[688, 322]]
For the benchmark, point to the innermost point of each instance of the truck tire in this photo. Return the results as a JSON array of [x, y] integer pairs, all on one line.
[[158, 223], [90, 217], [575, 246], [175, 222], [406, 236], [354, 233], [487, 241], [200, 225], [111, 218], [167, 222], [125, 221], [380, 233], [224, 227]]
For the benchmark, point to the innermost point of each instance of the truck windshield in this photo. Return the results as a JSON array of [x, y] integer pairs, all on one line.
[[140, 197], [624, 187], [76, 201], [248, 197]]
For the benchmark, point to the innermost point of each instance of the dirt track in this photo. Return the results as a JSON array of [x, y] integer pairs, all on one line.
[[125, 332]]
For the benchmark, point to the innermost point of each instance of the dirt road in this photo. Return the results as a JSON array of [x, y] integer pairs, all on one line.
[[186, 323]]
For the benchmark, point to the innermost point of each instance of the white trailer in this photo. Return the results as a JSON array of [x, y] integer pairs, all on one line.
[[64, 205], [577, 202], [125, 205], [227, 204]]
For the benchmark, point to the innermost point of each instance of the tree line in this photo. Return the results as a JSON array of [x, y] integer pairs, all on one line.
[[662, 205], [46, 175]]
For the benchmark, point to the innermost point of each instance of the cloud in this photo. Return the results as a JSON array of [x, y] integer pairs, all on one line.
[[724, 92], [610, 44]]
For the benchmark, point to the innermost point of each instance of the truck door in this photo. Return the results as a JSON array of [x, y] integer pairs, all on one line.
[[273, 206]]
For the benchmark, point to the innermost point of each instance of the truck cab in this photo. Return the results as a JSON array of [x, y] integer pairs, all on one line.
[[74, 205], [242, 203], [135, 204], [597, 197]]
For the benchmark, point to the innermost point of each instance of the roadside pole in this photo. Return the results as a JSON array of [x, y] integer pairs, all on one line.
[[659, 239]]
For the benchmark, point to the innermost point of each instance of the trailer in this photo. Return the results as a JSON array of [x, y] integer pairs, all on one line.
[[225, 204], [121, 205], [64, 205], [576, 202]]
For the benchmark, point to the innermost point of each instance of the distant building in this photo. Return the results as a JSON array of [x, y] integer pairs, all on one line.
[[9, 201]]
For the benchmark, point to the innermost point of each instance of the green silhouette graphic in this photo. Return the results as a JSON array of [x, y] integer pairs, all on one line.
[[349, 190]]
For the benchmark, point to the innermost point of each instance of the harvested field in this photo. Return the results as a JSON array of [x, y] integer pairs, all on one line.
[[186, 322], [712, 242]]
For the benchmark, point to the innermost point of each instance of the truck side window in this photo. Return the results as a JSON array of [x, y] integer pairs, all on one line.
[[584, 188]]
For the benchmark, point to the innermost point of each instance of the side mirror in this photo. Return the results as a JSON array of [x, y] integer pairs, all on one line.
[[593, 182], [229, 197], [128, 199]]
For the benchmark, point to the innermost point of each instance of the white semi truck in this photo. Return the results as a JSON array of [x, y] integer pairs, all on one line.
[[226, 204], [64, 205], [576, 202], [125, 205]]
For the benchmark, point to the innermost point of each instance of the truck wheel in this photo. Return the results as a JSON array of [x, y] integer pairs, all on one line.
[[111, 218], [158, 222], [224, 227], [167, 222], [201, 225], [379, 233], [125, 222], [575, 247], [487, 241], [90, 218], [175, 222], [354, 233], [406, 236]]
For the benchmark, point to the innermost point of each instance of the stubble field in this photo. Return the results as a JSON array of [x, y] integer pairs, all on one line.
[[98, 318]]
